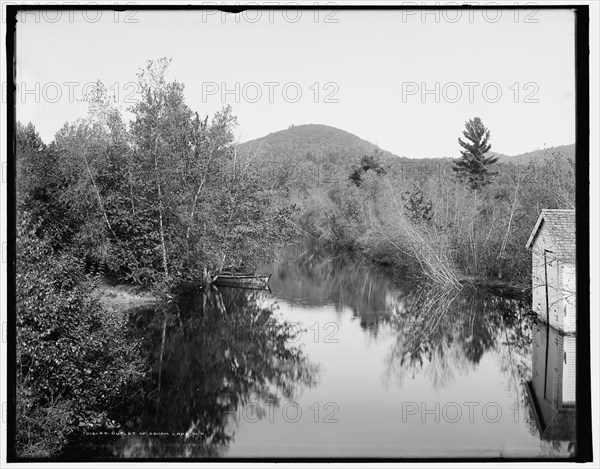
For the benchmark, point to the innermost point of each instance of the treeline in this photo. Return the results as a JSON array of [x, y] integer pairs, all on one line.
[[447, 224], [164, 200]]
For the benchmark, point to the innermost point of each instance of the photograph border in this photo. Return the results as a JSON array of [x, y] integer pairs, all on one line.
[[582, 160]]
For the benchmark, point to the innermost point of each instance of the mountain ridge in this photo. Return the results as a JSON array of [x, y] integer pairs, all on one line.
[[324, 142]]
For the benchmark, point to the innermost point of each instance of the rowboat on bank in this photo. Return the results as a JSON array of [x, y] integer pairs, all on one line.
[[258, 282]]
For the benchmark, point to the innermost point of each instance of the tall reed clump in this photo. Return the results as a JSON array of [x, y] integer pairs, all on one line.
[[416, 238]]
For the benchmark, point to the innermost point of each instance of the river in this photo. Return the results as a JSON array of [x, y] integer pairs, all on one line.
[[338, 360]]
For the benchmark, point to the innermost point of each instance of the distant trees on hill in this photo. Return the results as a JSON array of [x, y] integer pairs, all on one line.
[[367, 163], [416, 212]]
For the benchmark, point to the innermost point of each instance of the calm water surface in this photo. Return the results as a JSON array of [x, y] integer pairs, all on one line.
[[338, 361]]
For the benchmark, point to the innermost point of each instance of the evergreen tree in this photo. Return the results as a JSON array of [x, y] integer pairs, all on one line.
[[473, 165]]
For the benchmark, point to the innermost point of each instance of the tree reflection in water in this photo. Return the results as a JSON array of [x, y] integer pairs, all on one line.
[[312, 276], [223, 350], [210, 354], [443, 332], [446, 332]]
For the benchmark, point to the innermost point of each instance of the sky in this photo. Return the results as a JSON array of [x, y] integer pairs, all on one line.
[[404, 80]]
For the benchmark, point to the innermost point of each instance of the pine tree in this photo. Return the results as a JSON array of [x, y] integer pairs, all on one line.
[[473, 165]]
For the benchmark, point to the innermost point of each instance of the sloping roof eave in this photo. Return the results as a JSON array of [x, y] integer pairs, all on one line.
[[536, 229], [561, 223]]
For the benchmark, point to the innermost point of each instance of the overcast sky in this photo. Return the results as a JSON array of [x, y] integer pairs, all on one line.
[[406, 81]]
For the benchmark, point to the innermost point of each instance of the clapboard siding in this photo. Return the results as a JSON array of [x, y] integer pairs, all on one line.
[[568, 374], [552, 244], [568, 280]]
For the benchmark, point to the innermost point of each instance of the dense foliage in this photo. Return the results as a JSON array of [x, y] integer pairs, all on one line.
[[305, 155], [74, 360], [422, 213], [165, 200], [367, 163], [162, 201]]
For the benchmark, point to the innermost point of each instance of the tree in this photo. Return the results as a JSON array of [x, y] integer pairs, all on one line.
[[415, 204], [33, 170], [367, 163], [473, 165], [161, 132]]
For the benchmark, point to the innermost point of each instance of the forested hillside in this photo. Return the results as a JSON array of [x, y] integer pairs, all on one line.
[[313, 141], [409, 212], [316, 142], [540, 156], [309, 154]]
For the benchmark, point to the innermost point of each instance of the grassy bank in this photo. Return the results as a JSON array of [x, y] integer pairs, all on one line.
[[119, 297]]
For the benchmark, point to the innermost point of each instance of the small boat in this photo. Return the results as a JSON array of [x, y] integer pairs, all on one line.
[[258, 282]]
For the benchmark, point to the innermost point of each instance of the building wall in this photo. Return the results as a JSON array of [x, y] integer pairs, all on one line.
[[567, 280], [542, 243], [538, 285], [559, 310], [555, 296], [569, 365]]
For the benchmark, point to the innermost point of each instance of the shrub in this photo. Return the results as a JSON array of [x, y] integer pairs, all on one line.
[[73, 358]]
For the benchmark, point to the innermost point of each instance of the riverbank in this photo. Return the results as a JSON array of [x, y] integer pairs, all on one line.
[[118, 297], [402, 268], [503, 288]]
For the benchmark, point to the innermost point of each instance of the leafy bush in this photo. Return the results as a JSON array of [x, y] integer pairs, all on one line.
[[74, 359]]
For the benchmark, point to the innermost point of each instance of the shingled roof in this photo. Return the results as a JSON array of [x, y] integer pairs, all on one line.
[[561, 230]]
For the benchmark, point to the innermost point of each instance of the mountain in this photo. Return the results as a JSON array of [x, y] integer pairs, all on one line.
[[314, 142], [538, 156], [325, 144]]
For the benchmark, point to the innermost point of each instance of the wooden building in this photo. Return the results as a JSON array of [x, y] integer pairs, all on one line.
[[551, 391], [552, 244]]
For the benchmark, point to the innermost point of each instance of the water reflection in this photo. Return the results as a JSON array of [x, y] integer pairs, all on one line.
[[396, 344], [210, 354], [551, 391], [448, 331], [436, 334], [312, 276]]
